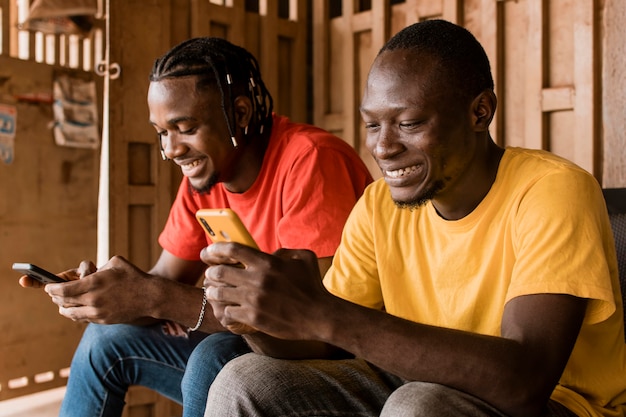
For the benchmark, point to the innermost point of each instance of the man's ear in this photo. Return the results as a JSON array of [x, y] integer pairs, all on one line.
[[243, 111], [483, 110]]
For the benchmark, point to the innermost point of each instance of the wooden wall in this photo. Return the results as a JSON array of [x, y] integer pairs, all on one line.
[[614, 94], [546, 58], [143, 186], [48, 206], [47, 217], [558, 71]]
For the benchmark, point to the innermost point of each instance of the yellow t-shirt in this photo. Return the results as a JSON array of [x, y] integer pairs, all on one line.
[[542, 228]]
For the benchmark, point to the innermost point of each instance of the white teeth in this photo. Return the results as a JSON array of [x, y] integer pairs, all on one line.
[[401, 172], [191, 165]]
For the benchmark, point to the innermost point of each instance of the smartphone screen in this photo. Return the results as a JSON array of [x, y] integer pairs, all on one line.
[[37, 273]]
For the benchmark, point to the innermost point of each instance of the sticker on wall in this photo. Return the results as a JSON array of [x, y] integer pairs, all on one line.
[[75, 112], [8, 116]]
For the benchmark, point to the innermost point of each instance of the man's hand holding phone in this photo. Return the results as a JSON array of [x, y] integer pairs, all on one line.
[[278, 294], [37, 277], [224, 225]]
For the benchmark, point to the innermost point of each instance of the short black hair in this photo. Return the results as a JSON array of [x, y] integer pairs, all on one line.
[[461, 59], [231, 68]]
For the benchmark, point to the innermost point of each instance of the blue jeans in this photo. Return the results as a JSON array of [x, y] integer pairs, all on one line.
[[110, 358]]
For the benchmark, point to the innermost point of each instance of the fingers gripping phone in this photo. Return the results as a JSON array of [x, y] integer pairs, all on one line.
[[37, 273], [224, 225]]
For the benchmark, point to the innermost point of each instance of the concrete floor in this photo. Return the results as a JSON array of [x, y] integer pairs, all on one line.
[[42, 404]]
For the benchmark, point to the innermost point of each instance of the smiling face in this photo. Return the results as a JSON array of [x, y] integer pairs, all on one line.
[[419, 133], [193, 130]]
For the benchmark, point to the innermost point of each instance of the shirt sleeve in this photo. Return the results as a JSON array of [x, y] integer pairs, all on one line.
[[320, 191], [563, 243], [354, 273]]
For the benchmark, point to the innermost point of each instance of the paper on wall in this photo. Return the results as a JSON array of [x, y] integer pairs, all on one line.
[[75, 112]]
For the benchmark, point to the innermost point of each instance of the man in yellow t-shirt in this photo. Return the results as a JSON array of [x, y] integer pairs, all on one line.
[[471, 280]]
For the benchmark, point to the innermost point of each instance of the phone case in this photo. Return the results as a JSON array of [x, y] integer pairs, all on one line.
[[224, 225], [37, 273]]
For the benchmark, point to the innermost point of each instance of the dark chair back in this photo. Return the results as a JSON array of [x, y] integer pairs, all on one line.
[[616, 205]]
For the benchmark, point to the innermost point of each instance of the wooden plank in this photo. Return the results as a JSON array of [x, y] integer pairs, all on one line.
[[268, 58], [288, 29], [613, 98], [333, 121], [31, 46], [557, 99], [511, 101], [362, 21], [24, 363], [585, 133], [321, 66], [208, 19], [453, 11], [535, 63], [299, 90], [381, 14], [57, 51], [177, 20], [237, 34], [561, 51], [404, 14], [5, 26], [141, 194], [52, 225], [349, 69], [491, 38], [426, 9]]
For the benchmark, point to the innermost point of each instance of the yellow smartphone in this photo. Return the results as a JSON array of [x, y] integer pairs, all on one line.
[[224, 225]]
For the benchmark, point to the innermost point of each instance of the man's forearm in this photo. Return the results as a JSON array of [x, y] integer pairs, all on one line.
[[264, 344]]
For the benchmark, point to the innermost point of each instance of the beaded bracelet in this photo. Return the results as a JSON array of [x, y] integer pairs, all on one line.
[[202, 310]]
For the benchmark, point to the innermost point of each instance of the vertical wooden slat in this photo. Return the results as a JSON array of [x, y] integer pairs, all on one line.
[[613, 98], [269, 46], [348, 71], [208, 19], [299, 76], [491, 39], [31, 46], [12, 29], [237, 33], [436, 9], [283, 50], [57, 51], [142, 189], [5, 5], [381, 20], [64, 50], [534, 127], [410, 14], [586, 135], [320, 61], [453, 11], [80, 53]]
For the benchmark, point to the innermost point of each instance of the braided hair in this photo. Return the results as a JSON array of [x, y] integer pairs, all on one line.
[[234, 71]]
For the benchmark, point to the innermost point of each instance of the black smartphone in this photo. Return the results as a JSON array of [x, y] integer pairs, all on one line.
[[37, 273]]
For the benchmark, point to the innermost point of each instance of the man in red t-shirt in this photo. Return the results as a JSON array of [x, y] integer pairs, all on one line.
[[293, 186]]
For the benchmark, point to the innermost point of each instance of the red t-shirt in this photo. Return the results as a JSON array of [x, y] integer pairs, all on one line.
[[307, 186]]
